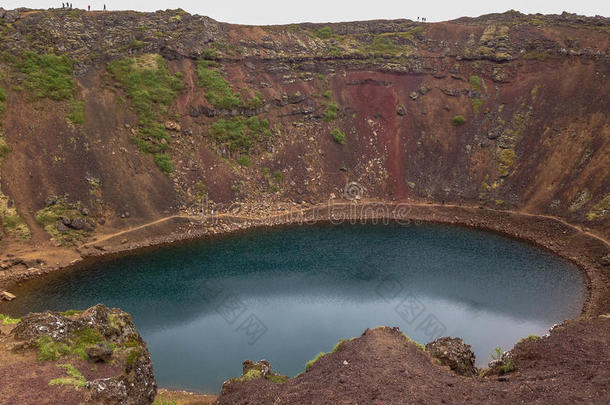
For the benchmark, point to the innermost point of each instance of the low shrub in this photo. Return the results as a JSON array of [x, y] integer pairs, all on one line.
[[458, 120], [239, 134], [332, 110], [7, 320], [338, 136], [244, 161], [324, 32], [164, 162], [77, 115]]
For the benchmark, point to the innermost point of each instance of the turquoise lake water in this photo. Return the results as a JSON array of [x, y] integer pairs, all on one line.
[[284, 294]]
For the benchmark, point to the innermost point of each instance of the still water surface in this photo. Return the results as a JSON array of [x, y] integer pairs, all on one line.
[[284, 294]]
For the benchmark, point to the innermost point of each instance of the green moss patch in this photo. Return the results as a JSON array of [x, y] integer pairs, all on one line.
[[331, 112], [314, 360], [475, 82], [419, 345], [50, 350], [458, 120], [7, 320], [324, 32], [600, 209], [239, 134], [75, 378], [322, 354], [152, 90], [219, 92], [48, 75], [77, 115], [338, 136], [71, 312]]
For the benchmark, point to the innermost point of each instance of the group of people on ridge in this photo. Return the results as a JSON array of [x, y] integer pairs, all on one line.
[[69, 6]]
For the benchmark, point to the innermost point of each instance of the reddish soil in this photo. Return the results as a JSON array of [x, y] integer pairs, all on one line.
[[25, 381], [382, 367]]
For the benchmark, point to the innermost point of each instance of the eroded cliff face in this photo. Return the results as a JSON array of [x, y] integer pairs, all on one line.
[[119, 118]]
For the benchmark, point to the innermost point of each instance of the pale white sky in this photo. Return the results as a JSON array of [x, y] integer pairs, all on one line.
[[259, 12]]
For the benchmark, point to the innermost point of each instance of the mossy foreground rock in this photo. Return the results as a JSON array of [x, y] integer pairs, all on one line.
[[99, 335], [454, 353]]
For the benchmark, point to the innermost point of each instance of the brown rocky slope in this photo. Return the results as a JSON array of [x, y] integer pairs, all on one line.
[[532, 92]]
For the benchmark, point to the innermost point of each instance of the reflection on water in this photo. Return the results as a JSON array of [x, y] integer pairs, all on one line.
[[285, 294]]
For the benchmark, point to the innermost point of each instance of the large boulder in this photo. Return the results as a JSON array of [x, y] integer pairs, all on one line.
[[109, 336], [454, 353]]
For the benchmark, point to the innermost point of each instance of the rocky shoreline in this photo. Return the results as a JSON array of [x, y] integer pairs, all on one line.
[[588, 251]]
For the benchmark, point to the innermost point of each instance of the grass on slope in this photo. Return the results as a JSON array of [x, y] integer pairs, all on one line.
[[152, 90], [48, 75], [219, 92], [239, 134]]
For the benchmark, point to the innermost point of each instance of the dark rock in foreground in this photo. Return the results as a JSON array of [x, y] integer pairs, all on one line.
[[102, 336], [454, 353]]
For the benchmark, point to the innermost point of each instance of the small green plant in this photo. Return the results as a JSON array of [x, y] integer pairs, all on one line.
[[476, 104], [3, 97], [77, 115], [136, 44], [161, 401], [322, 354], [530, 338], [71, 312], [475, 82], [244, 161], [251, 375], [507, 363], [338, 136], [332, 110], [328, 94], [458, 120], [209, 54], [7, 320], [277, 379], [419, 345], [74, 378], [496, 354], [4, 149], [164, 162], [338, 344], [324, 32], [133, 356], [313, 361]]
